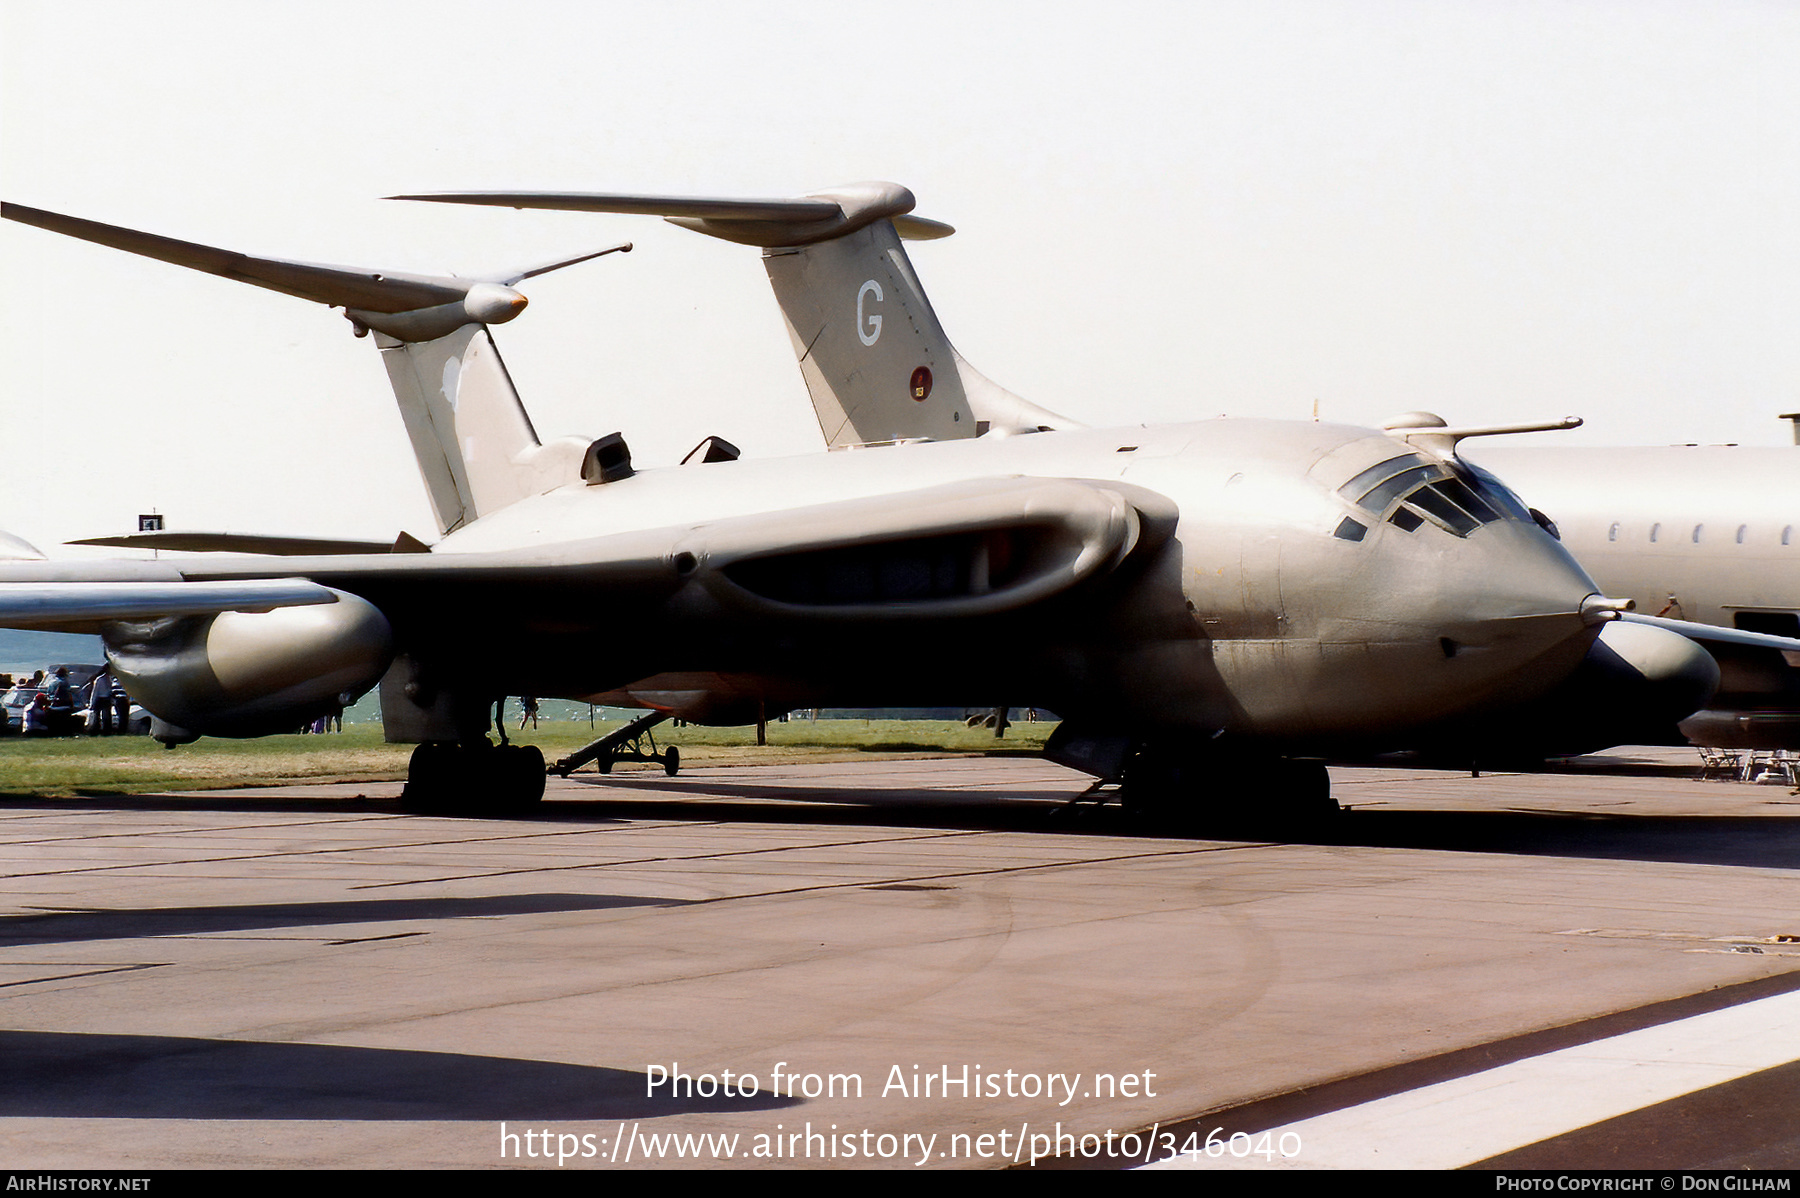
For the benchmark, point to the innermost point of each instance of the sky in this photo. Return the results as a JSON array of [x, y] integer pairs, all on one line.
[[1496, 211]]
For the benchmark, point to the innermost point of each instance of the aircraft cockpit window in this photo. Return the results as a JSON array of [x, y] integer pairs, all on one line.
[[1465, 498], [1458, 498], [1363, 486], [1498, 495], [1349, 530], [1434, 502]]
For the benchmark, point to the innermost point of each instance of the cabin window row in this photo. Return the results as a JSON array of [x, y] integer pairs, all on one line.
[[1698, 534]]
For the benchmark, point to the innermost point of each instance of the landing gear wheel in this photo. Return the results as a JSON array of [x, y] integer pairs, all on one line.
[[672, 761], [1300, 802], [432, 779], [518, 783], [446, 779]]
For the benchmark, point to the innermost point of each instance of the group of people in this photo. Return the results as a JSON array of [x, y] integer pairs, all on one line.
[[49, 704]]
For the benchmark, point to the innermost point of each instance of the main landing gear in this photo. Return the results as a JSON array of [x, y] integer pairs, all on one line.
[[1205, 791], [473, 776], [476, 779]]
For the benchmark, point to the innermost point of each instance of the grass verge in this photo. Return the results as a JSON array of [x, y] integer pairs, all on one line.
[[138, 765]]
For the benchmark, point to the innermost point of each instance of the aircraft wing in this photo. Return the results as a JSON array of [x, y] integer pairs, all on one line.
[[974, 548], [84, 606], [1711, 634], [249, 542]]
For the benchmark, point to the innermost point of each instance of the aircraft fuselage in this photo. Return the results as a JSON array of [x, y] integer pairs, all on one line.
[[1258, 617]]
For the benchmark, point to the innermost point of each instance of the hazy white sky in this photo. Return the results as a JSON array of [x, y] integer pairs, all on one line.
[[1498, 211]]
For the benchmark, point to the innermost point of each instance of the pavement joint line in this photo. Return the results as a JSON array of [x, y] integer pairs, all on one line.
[[330, 849], [669, 858], [86, 973], [972, 873], [306, 823]]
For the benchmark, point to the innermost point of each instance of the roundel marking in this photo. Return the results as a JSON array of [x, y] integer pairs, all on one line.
[[868, 327], [920, 386]]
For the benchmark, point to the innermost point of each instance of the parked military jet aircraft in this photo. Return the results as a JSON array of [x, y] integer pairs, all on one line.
[[1195, 600]]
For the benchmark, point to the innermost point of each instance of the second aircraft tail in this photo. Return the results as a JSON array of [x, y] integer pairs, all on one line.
[[474, 444], [877, 363]]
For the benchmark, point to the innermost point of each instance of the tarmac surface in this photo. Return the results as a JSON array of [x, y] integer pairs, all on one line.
[[902, 964]]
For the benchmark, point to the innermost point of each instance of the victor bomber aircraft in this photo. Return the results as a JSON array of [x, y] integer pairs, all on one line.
[[1195, 600]]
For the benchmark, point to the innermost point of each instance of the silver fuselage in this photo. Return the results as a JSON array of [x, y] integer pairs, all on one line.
[[1257, 618]]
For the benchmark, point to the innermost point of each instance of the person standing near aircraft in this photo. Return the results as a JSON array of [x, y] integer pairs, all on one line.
[[59, 699], [100, 705]]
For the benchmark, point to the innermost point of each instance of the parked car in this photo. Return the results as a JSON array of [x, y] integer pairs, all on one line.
[[18, 717]]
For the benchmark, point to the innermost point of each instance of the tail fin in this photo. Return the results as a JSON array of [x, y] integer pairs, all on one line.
[[875, 359], [476, 449], [474, 444]]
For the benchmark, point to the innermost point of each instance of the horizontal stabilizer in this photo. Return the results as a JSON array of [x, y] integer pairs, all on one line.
[[409, 307], [822, 216], [344, 286]]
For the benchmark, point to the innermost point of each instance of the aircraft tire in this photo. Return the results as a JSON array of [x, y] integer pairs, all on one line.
[[433, 779], [520, 779], [672, 761], [1300, 802]]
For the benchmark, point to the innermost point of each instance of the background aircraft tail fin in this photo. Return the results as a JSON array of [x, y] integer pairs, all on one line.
[[876, 361], [474, 444]]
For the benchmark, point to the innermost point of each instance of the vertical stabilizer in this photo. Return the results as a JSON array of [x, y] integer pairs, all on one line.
[[873, 354], [473, 441]]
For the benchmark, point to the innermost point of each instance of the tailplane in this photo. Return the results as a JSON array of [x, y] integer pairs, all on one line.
[[876, 361], [475, 447]]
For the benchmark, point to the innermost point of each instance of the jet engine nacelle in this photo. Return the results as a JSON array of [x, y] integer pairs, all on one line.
[[1645, 676], [1635, 685], [243, 674]]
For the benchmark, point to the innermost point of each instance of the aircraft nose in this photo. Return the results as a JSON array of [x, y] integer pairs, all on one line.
[[1517, 615]]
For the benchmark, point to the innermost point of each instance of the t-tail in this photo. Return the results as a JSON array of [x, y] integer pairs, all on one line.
[[875, 359], [476, 449]]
